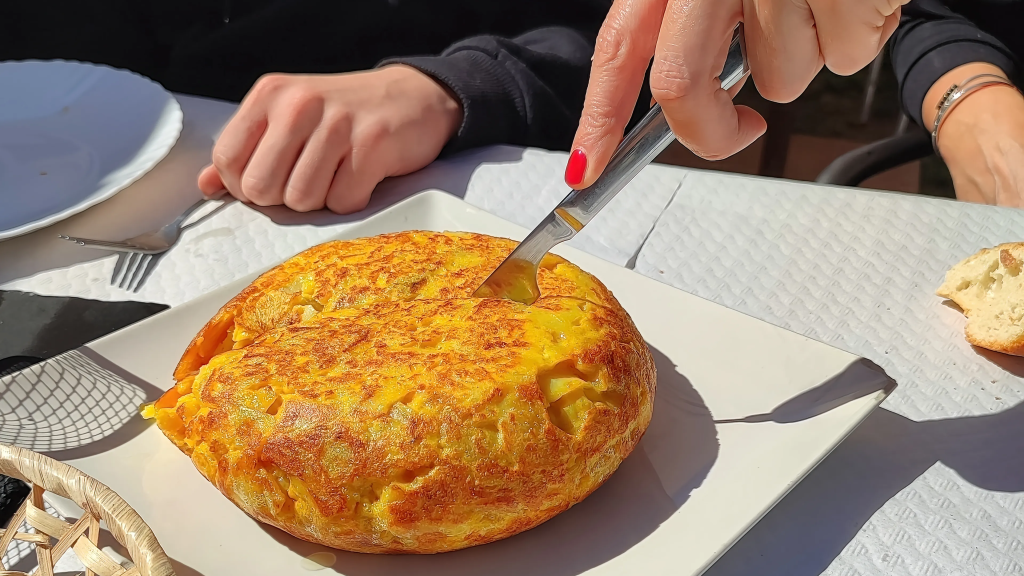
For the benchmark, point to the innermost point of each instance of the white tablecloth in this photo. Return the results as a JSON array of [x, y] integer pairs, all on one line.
[[932, 484]]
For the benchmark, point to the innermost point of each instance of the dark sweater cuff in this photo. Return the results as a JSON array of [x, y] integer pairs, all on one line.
[[489, 96]]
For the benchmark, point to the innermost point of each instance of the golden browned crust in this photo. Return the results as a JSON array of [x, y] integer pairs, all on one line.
[[989, 287], [358, 397], [401, 266], [1015, 348]]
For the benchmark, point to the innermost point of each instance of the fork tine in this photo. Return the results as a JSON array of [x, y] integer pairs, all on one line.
[[133, 263], [143, 263], [136, 270], [119, 267], [129, 258], [150, 266]]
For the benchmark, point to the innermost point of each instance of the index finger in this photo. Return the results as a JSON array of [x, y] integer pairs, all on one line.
[[622, 52], [242, 134]]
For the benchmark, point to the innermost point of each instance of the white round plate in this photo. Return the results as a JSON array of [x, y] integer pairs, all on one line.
[[73, 135]]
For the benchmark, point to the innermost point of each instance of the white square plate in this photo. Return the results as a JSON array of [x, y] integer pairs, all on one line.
[[743, 411]]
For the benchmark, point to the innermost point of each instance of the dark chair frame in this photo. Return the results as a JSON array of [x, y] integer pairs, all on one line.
[[856, 166]]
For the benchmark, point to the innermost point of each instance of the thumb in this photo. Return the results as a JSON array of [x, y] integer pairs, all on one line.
[[209, 181]]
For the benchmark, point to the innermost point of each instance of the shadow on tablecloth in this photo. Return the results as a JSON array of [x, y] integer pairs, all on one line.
[[78, 404], [811, 526]]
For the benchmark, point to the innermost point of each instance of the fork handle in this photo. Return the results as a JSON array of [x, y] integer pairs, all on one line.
[[189, 211], [192, 209]]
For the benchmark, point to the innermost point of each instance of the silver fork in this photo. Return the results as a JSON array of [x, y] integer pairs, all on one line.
[[156, 242], [138, 255]]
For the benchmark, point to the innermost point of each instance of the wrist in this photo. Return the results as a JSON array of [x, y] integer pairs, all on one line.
[[984, 114], [982, 144], [438, 96], [935, 95], [988, 85]]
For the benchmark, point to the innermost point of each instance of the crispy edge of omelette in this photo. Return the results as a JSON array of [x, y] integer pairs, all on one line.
[[556, 273], [620, 350]]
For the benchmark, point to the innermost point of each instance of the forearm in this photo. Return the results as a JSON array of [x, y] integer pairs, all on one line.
[[526, 90]]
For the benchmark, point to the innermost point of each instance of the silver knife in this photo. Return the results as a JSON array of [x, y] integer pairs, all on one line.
[[516, 277]]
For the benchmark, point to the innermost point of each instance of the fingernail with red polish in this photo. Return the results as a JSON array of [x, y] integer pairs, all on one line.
[[576, 168]]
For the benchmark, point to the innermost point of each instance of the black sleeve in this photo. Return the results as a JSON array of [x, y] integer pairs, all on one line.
[[526, 91], [932, 40]]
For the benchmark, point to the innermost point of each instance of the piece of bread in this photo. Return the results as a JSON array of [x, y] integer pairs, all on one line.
[[357, 396], [989, 287]]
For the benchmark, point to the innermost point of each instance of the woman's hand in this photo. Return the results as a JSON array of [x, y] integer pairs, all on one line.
[[981, 141], [788, 41], [327, 140]]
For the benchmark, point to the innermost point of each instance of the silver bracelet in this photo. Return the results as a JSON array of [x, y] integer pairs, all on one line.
[[955, 94]]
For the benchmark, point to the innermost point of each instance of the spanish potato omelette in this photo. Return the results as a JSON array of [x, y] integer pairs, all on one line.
[[357, 396]]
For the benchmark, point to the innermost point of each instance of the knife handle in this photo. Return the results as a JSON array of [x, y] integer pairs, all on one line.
[[640, 147]]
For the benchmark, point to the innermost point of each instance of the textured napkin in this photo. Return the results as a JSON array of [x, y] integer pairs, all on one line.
[[934, 482]]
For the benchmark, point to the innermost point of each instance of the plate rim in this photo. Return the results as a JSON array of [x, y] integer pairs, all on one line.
[[160, 149]]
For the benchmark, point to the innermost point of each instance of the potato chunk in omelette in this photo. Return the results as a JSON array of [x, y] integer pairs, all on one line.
[[357, 396]]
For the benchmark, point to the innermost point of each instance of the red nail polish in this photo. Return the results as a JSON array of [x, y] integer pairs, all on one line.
[[576, 168]]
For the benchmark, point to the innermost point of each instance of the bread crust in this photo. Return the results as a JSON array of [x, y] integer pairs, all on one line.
[[402, 415], [972, 285]]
